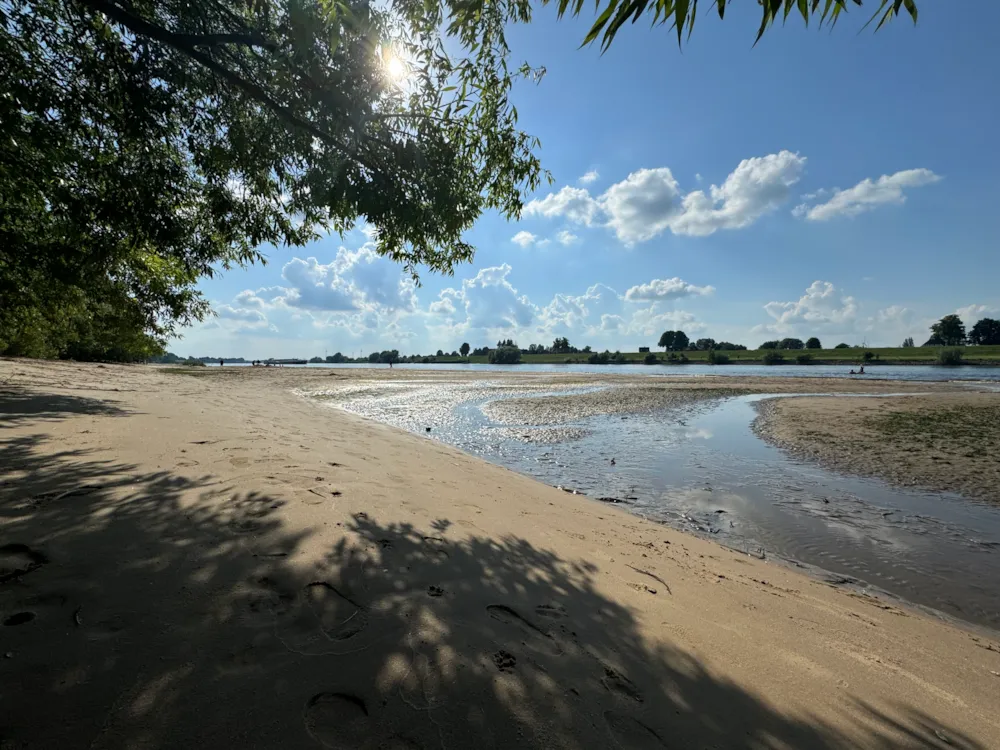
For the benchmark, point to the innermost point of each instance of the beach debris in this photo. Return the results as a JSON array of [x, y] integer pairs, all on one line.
[[942, 736], [653, 576], [612, 462], [76, 617], [427, 429], [612, 500], [435, 591]]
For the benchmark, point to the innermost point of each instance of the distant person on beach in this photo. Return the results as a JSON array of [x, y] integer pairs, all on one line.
[[862, 370], [221, 363]]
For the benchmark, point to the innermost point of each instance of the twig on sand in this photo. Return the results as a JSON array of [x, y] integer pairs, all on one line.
[[653, 576]]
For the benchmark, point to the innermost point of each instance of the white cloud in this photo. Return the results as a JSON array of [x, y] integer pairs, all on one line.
[[487, 301], [822, 307], [867, 195], [756, 187], [566, 237], [613, 323], [243, 314], [650, 201], [642, 205], [314, 286], [895, 315], [652, 321], [524, 239], [970, 314], [573, 203], [589, 177], [666, 289]]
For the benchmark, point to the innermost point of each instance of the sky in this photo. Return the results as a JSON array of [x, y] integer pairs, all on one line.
[[823, 183]]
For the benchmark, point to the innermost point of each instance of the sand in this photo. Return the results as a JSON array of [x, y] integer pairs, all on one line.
[[215, 562], [946, 441]]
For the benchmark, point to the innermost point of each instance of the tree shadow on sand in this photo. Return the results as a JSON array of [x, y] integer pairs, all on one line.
[[18, 405], [155, 611]]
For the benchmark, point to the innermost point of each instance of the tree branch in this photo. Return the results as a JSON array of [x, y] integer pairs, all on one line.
[[217, 40], [182, 43]]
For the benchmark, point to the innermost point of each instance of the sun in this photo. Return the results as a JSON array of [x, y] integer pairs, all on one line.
[[396, 68]]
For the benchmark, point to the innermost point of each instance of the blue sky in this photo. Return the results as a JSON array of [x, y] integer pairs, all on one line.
[[838, 184]]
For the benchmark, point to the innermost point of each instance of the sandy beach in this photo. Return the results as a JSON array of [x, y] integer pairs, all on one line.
[[948, 441], [211, 560]]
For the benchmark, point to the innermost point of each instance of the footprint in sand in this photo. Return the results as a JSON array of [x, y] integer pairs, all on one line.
[[632, 734], [534, 636], [620, 685], [504, 661], [18, 560], [436, 547], [551, 611], [338, 720], [18, 618], [315, 621]]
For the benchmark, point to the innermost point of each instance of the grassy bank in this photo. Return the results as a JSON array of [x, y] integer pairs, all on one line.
[[988, 355]]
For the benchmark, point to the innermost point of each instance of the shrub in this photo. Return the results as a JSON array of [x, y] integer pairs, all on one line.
[[717, 358], [842, 346], [773, 358], [950, 357], [618, 358], [804, 359], [650, 359], [869, 356], [599, 359], [505, 355]]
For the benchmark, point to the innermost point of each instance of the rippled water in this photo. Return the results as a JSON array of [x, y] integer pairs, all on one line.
[[706, 472]]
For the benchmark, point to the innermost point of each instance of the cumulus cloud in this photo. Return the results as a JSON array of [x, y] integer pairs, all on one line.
[[524, 239], [823, 306], [315, 286], [650, 201], [970, 314], [589, 177], [866, 195], [666, 289], [572, 203], [566, 237], [488, 301], [895, 315]]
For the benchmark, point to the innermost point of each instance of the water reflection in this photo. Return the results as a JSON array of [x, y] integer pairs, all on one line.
[[704, 471]]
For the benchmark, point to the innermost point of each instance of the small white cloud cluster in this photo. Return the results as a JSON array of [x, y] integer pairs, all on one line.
[[650, 201]]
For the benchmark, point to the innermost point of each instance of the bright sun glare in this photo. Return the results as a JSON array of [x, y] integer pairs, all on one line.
[[396, 68]]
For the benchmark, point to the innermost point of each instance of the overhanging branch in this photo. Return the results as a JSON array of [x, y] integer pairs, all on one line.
[[183, 43]]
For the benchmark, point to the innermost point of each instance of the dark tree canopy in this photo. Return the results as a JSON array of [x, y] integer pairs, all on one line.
[[985, 332], [813, 343], [842, 345], [790, 343], [464, 349], [949, 331]]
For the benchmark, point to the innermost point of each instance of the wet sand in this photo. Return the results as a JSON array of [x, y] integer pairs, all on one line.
[[213, 561], [946, 441]]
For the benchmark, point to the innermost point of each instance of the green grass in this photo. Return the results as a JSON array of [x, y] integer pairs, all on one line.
[[972, 431], [886, 356]]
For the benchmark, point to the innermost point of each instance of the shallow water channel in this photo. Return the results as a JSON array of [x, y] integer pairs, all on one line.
[[706, 472]]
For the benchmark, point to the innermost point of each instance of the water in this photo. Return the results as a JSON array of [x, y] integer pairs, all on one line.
[[706, 472], [876, 371]]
